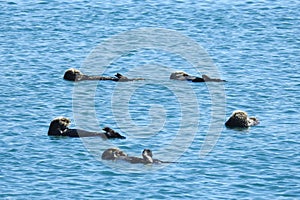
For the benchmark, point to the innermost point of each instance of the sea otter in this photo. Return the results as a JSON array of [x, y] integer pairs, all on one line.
[[59, 127], [240, 119], [116, 154], [113, 154], [75, 75], [182, 76], [122, 78]]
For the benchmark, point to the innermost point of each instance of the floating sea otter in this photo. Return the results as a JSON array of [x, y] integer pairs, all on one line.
[[182, 76], [59, 127], [240, 119], [116, 154], [75, 75]]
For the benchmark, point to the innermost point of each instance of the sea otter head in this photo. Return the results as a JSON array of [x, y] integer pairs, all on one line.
[[239, 114], [179, 75], [147, 156], [58, 125], [61, 122], [72, 74], [240, 119], [112, 154]]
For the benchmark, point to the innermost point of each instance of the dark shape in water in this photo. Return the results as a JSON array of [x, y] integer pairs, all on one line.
[[182, 76], [116, 154], [59, 127], [240, 119], [75, 75]]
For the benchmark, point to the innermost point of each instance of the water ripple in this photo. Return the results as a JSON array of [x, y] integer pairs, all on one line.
[[255, 45]]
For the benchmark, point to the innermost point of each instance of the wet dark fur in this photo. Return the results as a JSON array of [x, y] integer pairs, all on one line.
[[75, 75], [116, 154], [59, 127], [110, 133], [240, 119], [182, 76]]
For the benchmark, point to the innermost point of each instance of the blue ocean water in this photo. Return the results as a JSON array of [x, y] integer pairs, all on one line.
[[255, 46]]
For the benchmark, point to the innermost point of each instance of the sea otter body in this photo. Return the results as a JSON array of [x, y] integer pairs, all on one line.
[[182, 76], [240, 119], [116, 154], [75, 75], [59, 127]]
